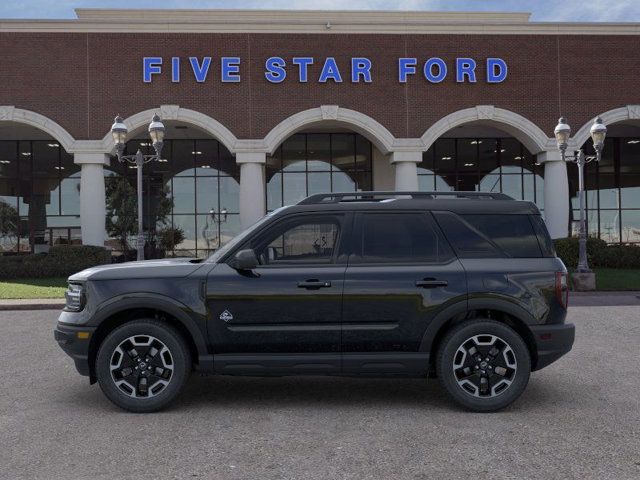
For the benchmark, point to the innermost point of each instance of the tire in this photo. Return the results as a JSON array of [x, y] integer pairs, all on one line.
[[143, 345], [461, 371]]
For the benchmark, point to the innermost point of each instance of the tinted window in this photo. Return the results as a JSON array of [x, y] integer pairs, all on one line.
[[466, 240], [306, 241], [401, 237], [514, 234], [544, 240]]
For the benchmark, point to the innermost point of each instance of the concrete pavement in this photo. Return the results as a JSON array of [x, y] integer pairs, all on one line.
[[579, 418]]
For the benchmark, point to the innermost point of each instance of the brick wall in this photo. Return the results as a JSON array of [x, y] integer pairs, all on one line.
[[82, 80]]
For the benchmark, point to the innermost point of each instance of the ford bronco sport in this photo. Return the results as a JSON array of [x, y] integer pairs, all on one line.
[[461, 285]]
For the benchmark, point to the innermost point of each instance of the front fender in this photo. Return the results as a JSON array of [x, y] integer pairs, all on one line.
[[194, 322]]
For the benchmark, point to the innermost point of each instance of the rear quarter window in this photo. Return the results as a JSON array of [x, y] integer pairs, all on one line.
[[544, 239], [513, 234], [466, 240]]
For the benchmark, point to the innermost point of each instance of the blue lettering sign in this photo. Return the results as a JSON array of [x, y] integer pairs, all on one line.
[[175, 69], [496, 70], [275, 69], [200, 71], [406, 66], [465, 67], [331, 71], [230, 67], [150, 66], [360, 67], [303, 66], [434, 69], [428, 70]]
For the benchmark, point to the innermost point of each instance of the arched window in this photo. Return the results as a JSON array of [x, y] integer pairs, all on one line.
[[612, 187], [39, 196], [482, 164], [195, 188], [308, 163]]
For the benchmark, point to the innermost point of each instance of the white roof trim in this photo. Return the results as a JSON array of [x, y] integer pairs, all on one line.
[[312, 21]]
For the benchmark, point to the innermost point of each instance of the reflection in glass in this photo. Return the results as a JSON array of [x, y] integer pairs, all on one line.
[[631, 226], [39, 192], [309, 163], [201, 181]]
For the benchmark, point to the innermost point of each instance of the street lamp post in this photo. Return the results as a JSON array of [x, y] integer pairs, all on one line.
[[156, 132], [598, 133]]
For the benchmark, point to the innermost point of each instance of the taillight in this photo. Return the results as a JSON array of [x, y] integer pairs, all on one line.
[[562, 289]]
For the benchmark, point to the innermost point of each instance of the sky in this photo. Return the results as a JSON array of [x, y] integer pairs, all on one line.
[[542, 10]]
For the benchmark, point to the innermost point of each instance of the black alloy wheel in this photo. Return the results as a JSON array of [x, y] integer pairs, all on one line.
[[142, 365], [484, 365]]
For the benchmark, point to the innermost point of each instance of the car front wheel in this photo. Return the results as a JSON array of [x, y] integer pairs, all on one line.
[[483, 365], [143, 365]]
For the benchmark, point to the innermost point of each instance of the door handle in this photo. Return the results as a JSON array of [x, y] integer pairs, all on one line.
[[431, 283], [314, 284]]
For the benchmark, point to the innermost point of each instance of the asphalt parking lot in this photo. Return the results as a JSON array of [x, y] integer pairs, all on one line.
[[579, 418]]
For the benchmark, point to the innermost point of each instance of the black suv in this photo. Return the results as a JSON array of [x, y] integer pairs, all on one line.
[[463, 286]]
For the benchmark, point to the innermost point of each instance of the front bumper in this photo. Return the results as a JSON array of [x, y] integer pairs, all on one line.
[[75, 340], [552, 342]]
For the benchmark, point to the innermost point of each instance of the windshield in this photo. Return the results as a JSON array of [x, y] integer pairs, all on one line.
[[238, 239]]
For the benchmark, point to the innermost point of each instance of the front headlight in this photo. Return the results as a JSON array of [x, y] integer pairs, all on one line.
[[75, 297]]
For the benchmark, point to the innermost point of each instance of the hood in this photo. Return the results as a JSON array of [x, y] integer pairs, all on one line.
[[166, 268]]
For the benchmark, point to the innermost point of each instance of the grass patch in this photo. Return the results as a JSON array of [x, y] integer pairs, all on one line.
[[26, 288], [617, 279]]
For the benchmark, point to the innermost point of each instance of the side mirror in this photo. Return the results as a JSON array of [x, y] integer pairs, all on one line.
[[244, 260]]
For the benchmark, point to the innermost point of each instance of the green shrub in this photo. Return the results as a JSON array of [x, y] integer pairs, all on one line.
[[599, 254], [61, 261], [568, 250], [619, 256]]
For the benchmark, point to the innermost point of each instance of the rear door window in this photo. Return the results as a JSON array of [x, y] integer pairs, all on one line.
[[400, 237]]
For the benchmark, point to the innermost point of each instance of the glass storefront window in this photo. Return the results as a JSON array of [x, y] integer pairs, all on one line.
[[308, 163], [613, 190], [482, 164], [199, 180], [39, 196]]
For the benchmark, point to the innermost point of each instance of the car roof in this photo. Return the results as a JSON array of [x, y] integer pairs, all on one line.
[[457, 202]]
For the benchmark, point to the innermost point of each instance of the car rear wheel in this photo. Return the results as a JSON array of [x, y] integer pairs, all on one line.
[[483, 365], [143, 365]]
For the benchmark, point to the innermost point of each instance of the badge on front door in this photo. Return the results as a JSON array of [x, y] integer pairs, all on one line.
[[226, 316]]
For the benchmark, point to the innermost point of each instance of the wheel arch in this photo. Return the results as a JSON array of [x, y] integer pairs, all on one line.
[[500, 310], [120, 311]]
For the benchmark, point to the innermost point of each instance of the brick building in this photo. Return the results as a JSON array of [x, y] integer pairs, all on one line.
[[263, 108]]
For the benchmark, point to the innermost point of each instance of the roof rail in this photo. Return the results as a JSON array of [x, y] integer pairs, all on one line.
[[376, 196]]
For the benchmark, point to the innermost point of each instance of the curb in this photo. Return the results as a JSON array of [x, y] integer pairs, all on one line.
[[17, 305]]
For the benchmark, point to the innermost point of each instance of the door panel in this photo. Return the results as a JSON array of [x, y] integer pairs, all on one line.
[[269, 312], [385, 311], [401, 275], [289, 304]]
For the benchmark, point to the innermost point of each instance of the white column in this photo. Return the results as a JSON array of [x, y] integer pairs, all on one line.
[[556, 194], [92, 197], [252, 187], [406, 166]]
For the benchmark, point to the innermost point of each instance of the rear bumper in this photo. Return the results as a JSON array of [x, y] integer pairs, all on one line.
[[74, 345], [552, 342]]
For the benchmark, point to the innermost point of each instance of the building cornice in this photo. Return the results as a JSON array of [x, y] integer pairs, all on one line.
[[305, 21]]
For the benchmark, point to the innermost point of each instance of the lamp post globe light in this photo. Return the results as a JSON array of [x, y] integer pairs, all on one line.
[[598, 133], [156, 132]]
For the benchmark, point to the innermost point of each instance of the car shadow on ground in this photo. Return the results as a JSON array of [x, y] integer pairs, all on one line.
[[260, 393]]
